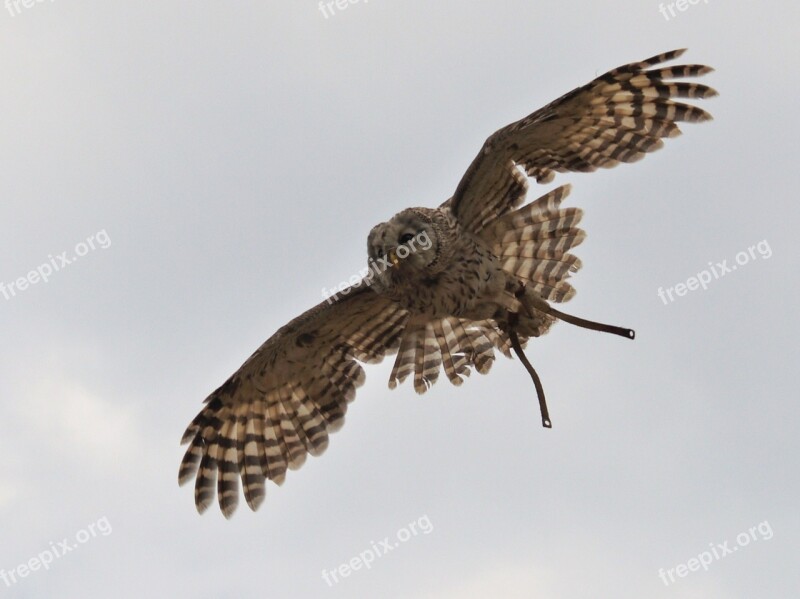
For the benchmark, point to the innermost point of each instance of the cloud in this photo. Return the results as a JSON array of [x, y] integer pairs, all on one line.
[[8, 493], [69, 417]]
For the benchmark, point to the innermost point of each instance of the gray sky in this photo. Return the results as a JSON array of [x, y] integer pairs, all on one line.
[[234, 157]]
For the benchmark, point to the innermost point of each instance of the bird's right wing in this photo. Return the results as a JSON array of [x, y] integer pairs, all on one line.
[[283, 401]]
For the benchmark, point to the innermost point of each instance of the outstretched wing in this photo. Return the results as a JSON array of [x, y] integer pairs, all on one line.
[[285, 399], [617, 117]]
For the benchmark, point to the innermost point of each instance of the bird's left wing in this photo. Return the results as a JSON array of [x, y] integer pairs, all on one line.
[[285, 399], [618, 117]]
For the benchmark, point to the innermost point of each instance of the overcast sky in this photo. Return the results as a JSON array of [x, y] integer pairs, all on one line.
[[219, 163]]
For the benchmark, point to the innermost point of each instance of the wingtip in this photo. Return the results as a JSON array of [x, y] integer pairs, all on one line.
[[673, 54], [255, 502], [228, 508]]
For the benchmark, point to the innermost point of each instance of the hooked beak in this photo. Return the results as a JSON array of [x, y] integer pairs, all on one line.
[[392, 255]]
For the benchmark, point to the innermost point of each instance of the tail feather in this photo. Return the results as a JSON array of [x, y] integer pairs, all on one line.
[[431, 360], [453, 362], [451, 343], [404, 362]]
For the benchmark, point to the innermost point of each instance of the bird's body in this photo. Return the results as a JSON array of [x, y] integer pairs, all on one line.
[[478, 273], [459, 278]]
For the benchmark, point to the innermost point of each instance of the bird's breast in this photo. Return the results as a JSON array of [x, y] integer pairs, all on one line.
[[460, 289]]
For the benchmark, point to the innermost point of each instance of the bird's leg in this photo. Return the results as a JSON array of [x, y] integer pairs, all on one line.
[[541, 305], [513, 319]]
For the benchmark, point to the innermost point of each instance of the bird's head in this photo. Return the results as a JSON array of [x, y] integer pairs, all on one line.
[[404, 247]]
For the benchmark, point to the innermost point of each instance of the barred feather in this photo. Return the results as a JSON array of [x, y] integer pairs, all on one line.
[[618, 117], [500, 339], [405, 359], [454, 361], [452, 343], [281, 405], [533, 244]]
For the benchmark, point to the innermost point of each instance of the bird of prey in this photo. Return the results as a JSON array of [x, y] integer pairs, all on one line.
[[445, 286]]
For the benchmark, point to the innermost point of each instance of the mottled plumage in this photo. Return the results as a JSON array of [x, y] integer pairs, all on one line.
[[483, 280]]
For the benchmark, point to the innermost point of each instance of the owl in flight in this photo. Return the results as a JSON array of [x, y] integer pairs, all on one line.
[[445, 287]]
